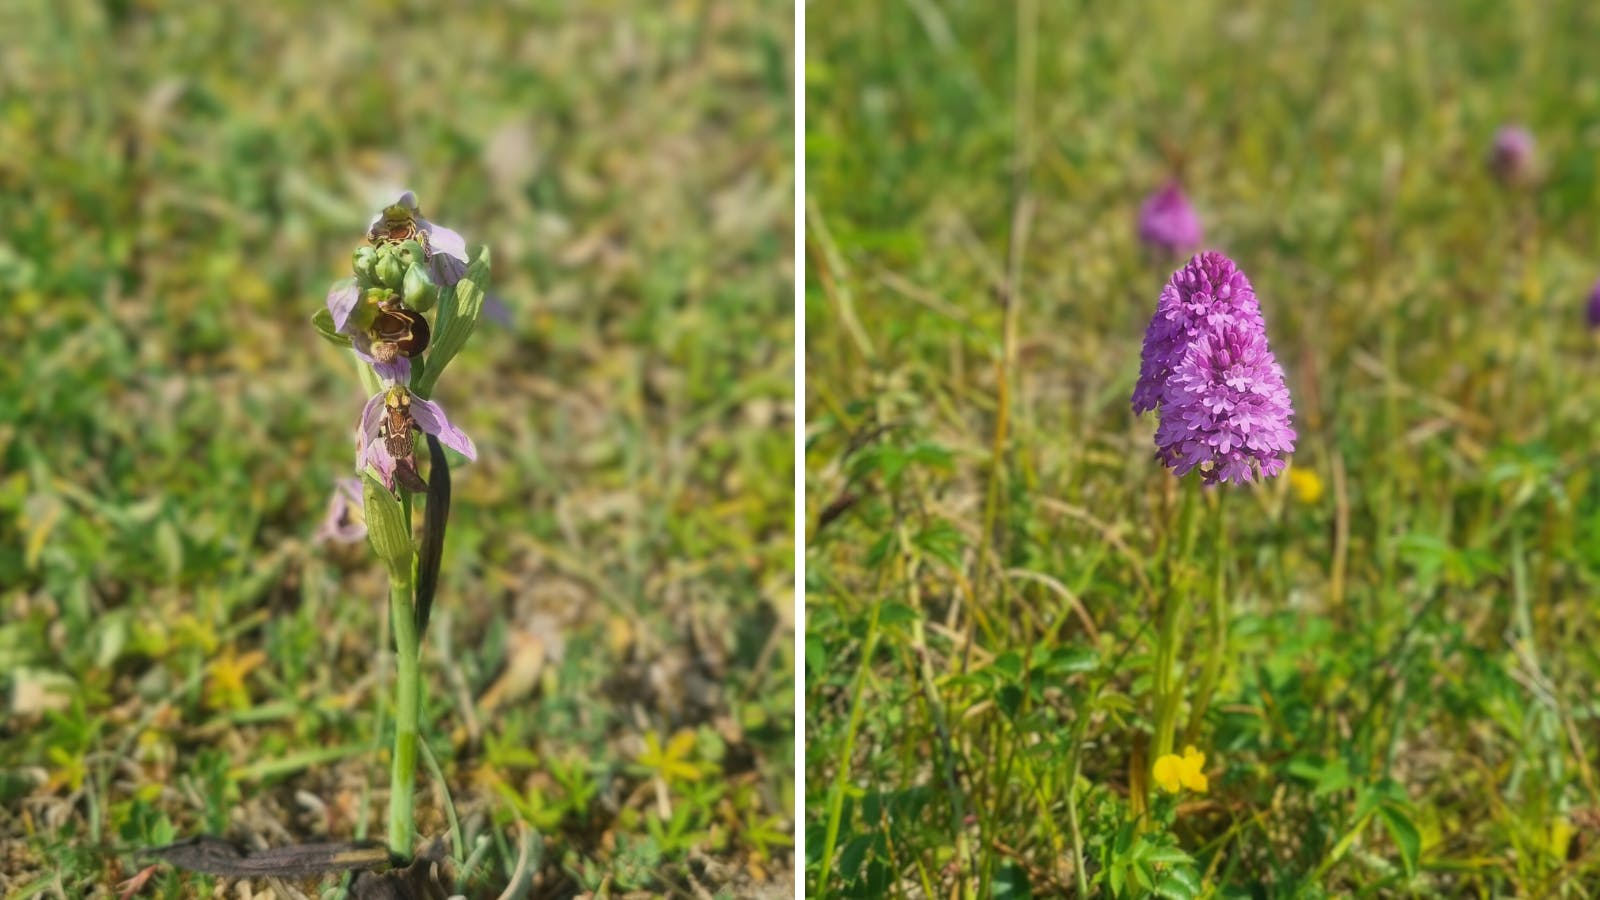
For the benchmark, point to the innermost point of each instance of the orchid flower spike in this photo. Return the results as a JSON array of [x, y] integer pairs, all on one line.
[[1209, 374]]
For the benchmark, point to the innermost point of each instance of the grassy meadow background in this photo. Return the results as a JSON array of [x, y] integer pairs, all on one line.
[[1408, 706], [610, 665]]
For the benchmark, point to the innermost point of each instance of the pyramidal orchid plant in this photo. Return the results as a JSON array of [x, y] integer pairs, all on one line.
[[406, 268], [1208, 373], [1224, 413]]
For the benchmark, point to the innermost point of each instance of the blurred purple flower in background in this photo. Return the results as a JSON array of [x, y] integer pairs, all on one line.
[[1168, 222], [345, 522], [1511, 156], [1594, 306], [1207, 370]]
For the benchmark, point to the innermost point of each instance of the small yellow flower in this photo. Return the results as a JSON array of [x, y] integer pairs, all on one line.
[[225, 678], [1173, 771], [1307, 484]]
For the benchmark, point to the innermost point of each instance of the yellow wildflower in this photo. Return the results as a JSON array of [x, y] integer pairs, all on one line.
[[1307, 484], [225, 677], [1173, 771]]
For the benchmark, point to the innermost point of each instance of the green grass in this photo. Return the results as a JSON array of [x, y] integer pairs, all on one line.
[[610, 661], [1406, 704]]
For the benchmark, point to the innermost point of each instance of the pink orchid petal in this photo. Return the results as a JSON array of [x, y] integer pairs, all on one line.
[[444, 240], [431, 419], [377, 456], [342, 300]]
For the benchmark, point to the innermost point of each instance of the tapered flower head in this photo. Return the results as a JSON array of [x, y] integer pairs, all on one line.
[[1594, 306], [344, 523], [1168, 222], [1208, 371], [1511, 157], [403, 221], [1205, 294], [384, 437]]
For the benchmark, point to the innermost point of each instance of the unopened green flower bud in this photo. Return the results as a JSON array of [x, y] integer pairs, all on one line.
[[410, 252], [420, 292], [366, 311], [390, 270], [362, 262]]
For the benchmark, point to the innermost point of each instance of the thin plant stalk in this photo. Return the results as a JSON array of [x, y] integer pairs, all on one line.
[[1218, 612], [1174, 610], [407, 716]]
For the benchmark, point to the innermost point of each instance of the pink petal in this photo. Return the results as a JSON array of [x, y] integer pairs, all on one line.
[[342, 300], [431, 419], [444, 240], [377, 456]]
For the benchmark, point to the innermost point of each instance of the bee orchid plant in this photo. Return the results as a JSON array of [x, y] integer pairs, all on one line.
[[407, 268]]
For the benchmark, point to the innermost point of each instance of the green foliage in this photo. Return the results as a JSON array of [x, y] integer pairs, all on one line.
[[1403, 709], [387, 528], [179, 185], [459, 310]]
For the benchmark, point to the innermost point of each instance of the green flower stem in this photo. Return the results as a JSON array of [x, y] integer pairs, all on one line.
[[1174, 610], [1216, 650], [408, 706]]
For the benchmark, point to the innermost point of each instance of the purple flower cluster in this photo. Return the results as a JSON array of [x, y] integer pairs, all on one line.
[[1168, 222], [1594, 306], [1208, 372]]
